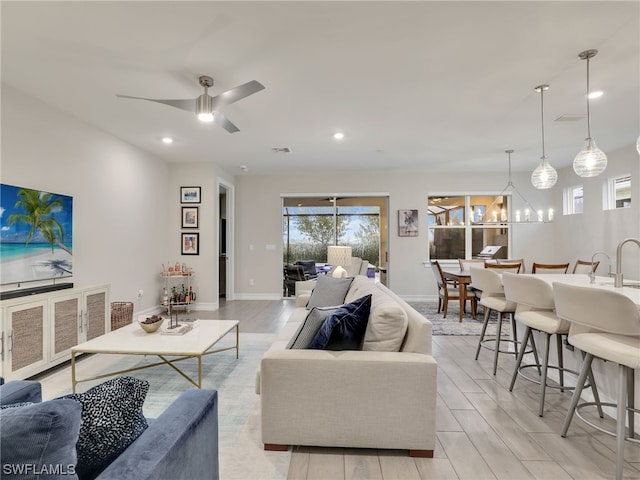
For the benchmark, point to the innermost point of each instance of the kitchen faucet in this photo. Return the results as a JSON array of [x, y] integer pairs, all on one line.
[[592, 273], [618, 280]]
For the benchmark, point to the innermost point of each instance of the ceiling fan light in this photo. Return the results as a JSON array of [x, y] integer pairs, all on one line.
[[544, 176], [205, 117], [590, 161], [204, 108]]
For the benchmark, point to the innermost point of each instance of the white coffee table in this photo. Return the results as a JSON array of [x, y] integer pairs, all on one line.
[[132, 340]]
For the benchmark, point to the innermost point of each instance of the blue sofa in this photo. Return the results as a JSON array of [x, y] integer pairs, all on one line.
[[182, 443]]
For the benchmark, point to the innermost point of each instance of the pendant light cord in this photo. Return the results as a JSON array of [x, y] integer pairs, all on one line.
[[542, 119], [588, 110]]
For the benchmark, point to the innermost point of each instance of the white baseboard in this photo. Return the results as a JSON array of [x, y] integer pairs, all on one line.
[[257, 296], [419, 298]]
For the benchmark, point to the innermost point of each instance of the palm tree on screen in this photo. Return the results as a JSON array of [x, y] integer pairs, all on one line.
[[39, 209]]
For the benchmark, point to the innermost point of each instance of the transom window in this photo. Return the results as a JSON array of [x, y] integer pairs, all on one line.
[[616, 192], [573, 200]]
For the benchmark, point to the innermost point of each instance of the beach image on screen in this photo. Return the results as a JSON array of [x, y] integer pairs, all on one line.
[[36, 234]]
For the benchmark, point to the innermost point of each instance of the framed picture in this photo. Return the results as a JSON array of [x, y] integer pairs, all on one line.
[[407, 223], [190, 243], [189, 217], [190, 194]]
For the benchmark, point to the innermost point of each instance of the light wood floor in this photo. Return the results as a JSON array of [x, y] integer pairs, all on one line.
[[483, 430]]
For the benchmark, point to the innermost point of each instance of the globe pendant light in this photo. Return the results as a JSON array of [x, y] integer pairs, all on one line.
[[544, 176], [638, 145], [591, 161]]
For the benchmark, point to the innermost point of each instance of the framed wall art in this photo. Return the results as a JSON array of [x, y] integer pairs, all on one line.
[[190, 194], [190, 243], [407, 223], [189, 217]]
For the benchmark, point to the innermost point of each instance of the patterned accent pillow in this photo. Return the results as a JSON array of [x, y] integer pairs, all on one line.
[[111, 420], [307, 330], [15, 405], [345, 329], [329, 291]]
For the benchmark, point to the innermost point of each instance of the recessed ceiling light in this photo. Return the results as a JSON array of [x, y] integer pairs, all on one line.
[[596, 94], [167, 140], [338, 135]]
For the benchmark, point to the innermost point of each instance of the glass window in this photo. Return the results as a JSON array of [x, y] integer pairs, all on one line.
[[617, 192], [573, 200], [462, 226]]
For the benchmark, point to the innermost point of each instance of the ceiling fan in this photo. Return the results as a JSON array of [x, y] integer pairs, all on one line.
[[207, 107]]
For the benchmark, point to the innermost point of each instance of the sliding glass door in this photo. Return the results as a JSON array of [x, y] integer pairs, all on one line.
[[311, 224]]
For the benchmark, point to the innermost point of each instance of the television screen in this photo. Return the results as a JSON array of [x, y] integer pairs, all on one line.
[[35, 235]]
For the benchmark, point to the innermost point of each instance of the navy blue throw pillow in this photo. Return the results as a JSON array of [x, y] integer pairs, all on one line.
[[345, 329]]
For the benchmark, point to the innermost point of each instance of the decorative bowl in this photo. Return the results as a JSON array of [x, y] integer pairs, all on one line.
[[150, 324]]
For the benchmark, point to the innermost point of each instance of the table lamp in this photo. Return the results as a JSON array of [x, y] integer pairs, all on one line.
[[338, 257]]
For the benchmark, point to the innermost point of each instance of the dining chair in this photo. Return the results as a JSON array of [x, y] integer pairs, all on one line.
[[535, 310], [514, 260], [585, 266], [605, 324], [468, 263], [449, 290], [549, 268], [504, 267], [493, 299]]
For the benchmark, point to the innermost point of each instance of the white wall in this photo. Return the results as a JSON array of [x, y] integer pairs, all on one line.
[[119, 192], [259, 223]]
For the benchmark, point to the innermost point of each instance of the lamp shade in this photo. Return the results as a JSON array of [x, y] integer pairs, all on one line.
[[591, 161], [544, 176], [338, 255]]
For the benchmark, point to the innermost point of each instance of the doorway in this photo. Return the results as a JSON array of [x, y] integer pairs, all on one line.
[[312, 223], [225, 240]]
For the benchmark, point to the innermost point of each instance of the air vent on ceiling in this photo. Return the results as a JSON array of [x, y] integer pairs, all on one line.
[[281, 150], [570, 117]]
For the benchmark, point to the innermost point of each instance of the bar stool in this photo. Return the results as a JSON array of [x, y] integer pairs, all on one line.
[[492, 298], [604, 324], [535, 309]]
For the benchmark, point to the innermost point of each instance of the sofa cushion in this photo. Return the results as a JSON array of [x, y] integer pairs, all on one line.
[[309, 327], [345, 328], [329, 292], [41, 437], [111, 420]]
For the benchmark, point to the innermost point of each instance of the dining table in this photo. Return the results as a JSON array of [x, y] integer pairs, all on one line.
[[631, 288], [462, 278]]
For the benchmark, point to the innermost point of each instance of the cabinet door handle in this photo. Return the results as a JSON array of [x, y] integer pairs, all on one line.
[[11, 342], [86, 321], [2, 347], [80, 320]]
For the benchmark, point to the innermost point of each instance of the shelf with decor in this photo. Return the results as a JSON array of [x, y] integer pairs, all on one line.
[[177, 291]]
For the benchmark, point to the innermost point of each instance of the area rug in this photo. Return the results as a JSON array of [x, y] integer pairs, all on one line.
[[241, 452], [451, 325]]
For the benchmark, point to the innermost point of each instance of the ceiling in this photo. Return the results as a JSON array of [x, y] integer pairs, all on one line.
[[441, 86]]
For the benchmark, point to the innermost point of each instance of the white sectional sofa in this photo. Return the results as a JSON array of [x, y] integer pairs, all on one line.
[[367, 398]]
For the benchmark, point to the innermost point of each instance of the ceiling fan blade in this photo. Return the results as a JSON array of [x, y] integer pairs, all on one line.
[[237, 93], [222, 121], [189, 104]]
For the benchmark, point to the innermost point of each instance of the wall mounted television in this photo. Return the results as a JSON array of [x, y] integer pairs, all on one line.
[[36, 231]]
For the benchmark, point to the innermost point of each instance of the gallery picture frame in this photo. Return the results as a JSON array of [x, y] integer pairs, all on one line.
[[408, 222], [190, 243], [190, 194], [190, 217]]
